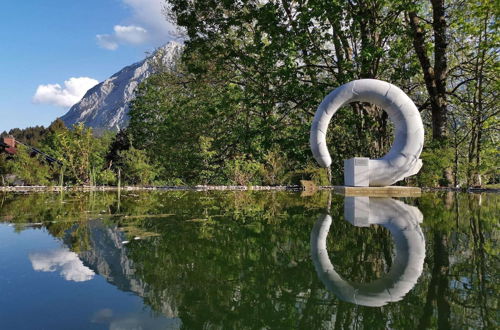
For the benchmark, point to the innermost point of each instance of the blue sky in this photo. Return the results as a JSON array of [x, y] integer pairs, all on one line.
[[44, 43]]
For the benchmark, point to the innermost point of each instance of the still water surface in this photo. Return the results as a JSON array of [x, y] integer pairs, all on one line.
[[248, 260]]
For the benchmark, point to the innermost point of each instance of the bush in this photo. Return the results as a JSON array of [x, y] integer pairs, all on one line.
[[136, 167], [312, 173], [31, 169], [437, 164], [244, 172], [107, 177], [274, 168]]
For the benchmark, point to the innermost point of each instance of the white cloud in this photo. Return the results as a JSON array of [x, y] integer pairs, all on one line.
[[123, 34], [63, 261], [131, 34], [147, 24], [72, 92]]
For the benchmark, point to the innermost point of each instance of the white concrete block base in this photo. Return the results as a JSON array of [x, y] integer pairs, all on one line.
[[357, 172]]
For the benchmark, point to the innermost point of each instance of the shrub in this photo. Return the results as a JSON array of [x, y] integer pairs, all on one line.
[[136, 167], [243, 171], [437, 164], [106, 177], [31, 169], [313, 173]]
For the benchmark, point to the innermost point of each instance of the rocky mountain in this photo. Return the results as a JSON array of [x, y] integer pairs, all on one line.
[[106, 105]]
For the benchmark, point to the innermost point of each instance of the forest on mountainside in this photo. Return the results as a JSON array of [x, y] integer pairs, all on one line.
[[238, 105]]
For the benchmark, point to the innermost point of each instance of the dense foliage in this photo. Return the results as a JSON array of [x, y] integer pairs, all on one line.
[[241, 99]]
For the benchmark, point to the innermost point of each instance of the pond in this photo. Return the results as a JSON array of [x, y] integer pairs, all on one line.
[[247, 260]]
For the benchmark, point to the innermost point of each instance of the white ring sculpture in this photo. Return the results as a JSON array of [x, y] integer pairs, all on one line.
[[403, 221], [403, 158]]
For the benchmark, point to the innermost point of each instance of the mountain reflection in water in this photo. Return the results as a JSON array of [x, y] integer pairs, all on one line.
[[108, 257], [242, 260]]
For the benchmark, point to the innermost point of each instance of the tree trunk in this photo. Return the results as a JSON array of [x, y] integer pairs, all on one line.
[[440, 110], [434, 76]]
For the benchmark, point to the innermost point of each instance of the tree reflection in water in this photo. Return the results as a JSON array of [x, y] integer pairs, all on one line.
[[242, 260]]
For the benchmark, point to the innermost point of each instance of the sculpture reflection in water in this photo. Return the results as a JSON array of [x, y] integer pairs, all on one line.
[[403, 222]]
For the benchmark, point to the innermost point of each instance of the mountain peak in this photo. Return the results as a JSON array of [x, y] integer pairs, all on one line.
[[106, 105]]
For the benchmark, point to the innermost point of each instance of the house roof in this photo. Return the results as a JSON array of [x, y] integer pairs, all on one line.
[[7, 148]]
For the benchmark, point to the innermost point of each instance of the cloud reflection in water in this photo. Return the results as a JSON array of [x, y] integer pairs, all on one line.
[[64, 261]]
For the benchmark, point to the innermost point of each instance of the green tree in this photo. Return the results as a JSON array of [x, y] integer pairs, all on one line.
[[190, 124], [474, 89], [31, 169], [81, 154], [121, 141], [136, 167]]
